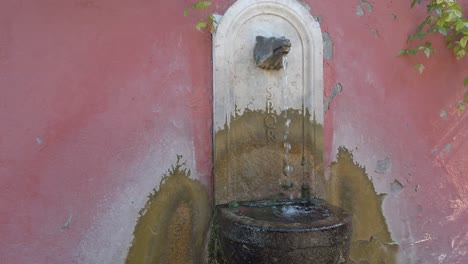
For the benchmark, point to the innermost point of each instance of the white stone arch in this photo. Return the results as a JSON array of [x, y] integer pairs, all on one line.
[[239, 85], [227, 32]]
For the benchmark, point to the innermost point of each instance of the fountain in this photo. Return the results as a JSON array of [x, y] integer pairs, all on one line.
[[268, 138]]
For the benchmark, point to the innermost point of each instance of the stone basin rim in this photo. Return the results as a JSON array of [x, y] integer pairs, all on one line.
[[337, 218]]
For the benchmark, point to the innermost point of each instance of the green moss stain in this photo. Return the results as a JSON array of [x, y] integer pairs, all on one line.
[[249, 166], [173, 226], [350, 188]]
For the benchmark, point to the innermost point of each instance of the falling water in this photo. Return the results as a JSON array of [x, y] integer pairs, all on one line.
[[285, 180]]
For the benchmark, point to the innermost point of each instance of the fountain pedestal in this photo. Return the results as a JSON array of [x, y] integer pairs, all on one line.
[[283, 232]]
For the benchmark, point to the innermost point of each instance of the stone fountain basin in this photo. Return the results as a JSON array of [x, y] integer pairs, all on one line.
[[288, 231]]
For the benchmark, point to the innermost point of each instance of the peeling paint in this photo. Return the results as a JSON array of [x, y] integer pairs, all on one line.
[[448, 147], [327, 46], [363, 7], [67, 224], [396, 186], [319, 19], [383, 166], [39, 140], [338, 88], [443, 114], [359, 11]]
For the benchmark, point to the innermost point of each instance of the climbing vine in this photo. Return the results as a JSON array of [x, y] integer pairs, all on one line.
[[205, 22], [444, 17]]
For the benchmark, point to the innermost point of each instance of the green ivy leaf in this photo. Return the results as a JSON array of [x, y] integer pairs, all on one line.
[[186, 12], [402, 52], [201, 24], [443, 31], [419, 67], [460, 54], [460, 107], [201, 5], [414, 2], [463, 41], [427, 51], [465, 83]]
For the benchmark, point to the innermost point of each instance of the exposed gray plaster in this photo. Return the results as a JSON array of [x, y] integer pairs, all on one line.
[[39, 140], [448, 147], [359, 11], [396, 186], [327, 46], [67, 223], [443, 114], [335, 90], [318, 19], [363, 7], [383, 166]]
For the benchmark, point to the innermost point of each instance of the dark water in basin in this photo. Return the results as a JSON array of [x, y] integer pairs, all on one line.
[[284, 212]]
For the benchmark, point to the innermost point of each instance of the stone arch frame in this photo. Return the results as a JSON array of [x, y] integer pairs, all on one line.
[[298, 16]]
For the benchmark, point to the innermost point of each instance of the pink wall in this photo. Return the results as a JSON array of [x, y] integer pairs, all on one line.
[[98, 97]]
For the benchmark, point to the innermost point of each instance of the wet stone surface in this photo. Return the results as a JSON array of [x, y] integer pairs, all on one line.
[[284, 212], [283, 232]]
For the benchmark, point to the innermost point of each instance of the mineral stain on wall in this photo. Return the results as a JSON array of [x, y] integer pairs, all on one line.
[[173, 225], [250, 156], [350, 188]]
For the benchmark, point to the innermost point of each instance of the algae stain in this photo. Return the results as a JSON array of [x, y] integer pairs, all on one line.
[[173, 225], [350, 188], [248, 166]]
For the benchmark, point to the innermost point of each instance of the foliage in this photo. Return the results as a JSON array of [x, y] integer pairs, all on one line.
[[444, 17], [202, 22]]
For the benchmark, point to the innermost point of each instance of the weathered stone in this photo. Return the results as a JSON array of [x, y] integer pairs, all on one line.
[[321, 235], [269, 52], [250, 102]]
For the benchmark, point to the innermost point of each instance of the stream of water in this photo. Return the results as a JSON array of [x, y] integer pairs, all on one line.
[[285, 180]]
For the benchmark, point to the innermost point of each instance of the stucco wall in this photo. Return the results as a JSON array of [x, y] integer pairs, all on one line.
[[98, 97]]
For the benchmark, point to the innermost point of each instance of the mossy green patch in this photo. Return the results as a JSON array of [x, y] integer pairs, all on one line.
[[350, 188], [173, 225], [250, 166]]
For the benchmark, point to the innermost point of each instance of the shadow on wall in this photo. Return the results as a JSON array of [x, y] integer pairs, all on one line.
[[350, 188], [173, 226]]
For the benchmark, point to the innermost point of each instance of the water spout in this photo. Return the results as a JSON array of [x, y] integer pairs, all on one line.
[[269, 52]]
